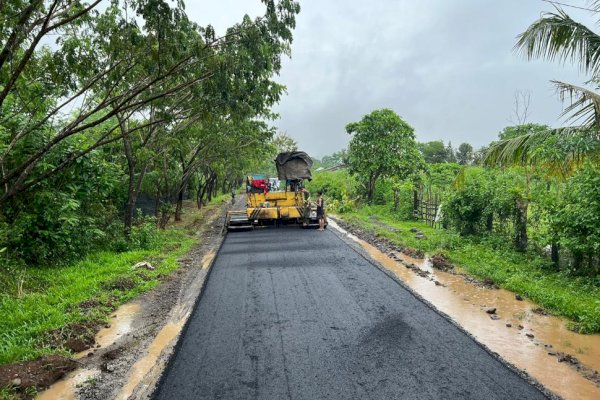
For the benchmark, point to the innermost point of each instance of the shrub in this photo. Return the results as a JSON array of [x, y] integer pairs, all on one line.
[[578, 220]]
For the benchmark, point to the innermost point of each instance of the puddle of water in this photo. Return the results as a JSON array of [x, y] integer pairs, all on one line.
[[150, 365], [65, 388], [466, 303], [118, 326], [145, 365]]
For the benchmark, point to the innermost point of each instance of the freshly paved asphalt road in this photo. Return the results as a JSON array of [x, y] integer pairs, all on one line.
[[298, 314]]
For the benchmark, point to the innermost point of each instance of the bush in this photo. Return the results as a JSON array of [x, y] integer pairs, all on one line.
[[144, 234], [65, 216], [467, 206], [578, 220], [334, 185], [482, 196]]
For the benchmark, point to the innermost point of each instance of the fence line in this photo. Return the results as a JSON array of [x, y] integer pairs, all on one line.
[[427, 208]]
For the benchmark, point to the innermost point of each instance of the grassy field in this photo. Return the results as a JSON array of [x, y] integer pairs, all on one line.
[[530, 275], [46, 305]]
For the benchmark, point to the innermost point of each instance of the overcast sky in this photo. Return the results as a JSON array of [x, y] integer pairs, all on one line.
[[445, 66]]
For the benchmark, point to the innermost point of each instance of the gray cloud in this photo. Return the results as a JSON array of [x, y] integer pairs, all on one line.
[[447, 67]]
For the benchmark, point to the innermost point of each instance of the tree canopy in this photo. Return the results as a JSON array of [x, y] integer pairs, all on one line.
[[382, 145], [129, 98]]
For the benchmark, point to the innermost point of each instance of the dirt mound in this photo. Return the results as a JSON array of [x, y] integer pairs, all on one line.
[[38, 374], [414, 253], [439, 261], [74, 337], [91, 303]]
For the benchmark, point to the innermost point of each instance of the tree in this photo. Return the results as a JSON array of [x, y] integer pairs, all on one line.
[[464, 155], [133, 97], [382, 145], [110, 66], [284, 143], [335, 159], [521, 107], [434, 152], [450, 155], [479, 155], [514, 131], [578, 218]]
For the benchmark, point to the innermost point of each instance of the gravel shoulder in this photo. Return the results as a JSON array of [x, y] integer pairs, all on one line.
[[132, 365]]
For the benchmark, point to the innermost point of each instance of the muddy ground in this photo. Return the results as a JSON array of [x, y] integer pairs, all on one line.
[[156, 308]]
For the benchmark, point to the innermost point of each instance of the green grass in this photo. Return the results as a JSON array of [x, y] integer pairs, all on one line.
[[530, 275], [50, 296]]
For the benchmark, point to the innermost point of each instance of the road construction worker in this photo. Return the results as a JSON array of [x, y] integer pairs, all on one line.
[[321, 211]]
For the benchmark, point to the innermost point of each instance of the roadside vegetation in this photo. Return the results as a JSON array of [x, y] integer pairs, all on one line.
[[58, 310]]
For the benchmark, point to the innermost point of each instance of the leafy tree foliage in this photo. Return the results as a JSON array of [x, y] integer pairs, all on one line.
[[450, 154], [511, 132], [335, 159], [434, 152], [464, 155], [481, 197], [578, 218], [557, 37], [284, 143], [382, 145], [132, 97]]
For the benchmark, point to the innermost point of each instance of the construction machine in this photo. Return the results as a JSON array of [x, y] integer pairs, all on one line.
[[278, 201]]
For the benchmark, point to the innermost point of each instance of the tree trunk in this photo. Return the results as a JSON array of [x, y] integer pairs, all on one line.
[[489, 223], [200, 194], [131, 195], [224, 186], [157, 203], [521, 225], [179, 207], [371, 187], [210, 187], [133, 187], [396, 199], [415, 203], [555, 254]]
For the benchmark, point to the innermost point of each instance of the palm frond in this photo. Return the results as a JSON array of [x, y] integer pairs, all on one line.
[[556, 36], [585, 104], [594, 5], [521, 149]]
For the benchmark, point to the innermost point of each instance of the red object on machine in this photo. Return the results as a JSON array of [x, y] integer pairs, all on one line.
[[261, 184]]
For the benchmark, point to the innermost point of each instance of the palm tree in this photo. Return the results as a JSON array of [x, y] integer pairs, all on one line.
[[557, 37]]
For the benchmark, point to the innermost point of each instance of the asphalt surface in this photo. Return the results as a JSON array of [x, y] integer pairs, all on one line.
[[298, 314]]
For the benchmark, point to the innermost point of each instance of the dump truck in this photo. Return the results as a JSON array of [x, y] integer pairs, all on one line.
[[287, 202]]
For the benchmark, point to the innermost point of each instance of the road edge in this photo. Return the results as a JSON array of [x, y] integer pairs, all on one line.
[[364, 254], [170, 354]]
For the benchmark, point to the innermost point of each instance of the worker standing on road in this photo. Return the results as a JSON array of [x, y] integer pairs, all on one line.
[[321, 211]]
